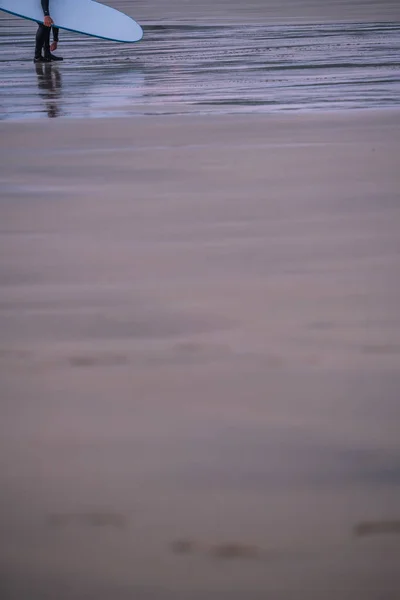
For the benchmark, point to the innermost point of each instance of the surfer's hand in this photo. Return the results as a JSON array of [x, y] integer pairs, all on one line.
[[53, 47], [48, 21]]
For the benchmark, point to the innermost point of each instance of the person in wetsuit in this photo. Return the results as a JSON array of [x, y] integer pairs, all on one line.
[[43, 37]]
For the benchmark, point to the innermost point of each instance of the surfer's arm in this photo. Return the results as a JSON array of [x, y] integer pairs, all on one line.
[[45, 8], [55, 39], [48, 21]]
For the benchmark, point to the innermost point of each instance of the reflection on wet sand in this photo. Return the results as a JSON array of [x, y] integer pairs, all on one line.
[[49, 81]]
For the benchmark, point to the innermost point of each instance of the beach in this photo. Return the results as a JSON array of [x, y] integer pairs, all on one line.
[[199, 306], [200, 59], [200, 357]]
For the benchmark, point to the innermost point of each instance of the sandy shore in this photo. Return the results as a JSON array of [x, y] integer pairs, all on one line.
[[214, 57], [199, 357], [259, 11]]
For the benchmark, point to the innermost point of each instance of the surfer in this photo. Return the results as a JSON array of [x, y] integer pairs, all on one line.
[[43, 37]]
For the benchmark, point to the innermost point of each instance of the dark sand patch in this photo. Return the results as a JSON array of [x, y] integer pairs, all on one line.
[[372, 528], [88, 519]]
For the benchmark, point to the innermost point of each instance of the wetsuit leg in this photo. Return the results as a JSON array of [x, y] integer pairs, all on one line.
[[47, 43], [42, 34]]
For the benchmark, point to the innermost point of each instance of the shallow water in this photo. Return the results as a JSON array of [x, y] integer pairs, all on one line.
[[200, 68]]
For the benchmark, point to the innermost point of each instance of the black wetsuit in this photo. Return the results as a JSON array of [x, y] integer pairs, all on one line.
[[43, 35]]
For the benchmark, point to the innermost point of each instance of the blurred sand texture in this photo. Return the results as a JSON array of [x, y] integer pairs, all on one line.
[[199, 358]]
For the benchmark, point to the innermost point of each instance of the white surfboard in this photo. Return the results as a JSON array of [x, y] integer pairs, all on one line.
[[82, 16]]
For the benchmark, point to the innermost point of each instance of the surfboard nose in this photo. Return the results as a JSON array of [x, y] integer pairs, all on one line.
[[136, 35]]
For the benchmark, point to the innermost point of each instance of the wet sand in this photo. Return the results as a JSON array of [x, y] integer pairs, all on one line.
[[199, 357], [199, 66]]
